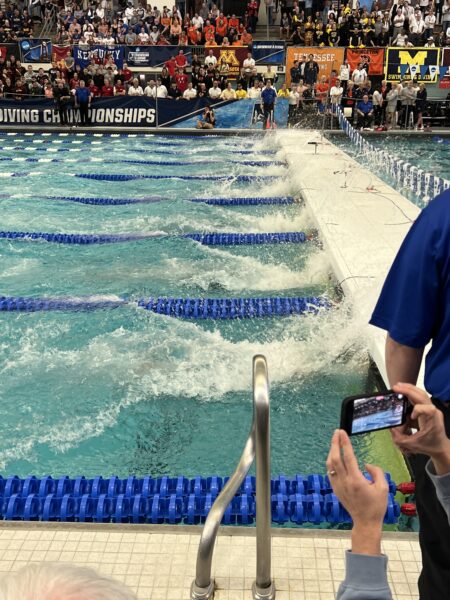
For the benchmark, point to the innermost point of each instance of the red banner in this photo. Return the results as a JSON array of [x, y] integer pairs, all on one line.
[[60, 54], [444, 83], [7, 50], [373, 57], [233, 56]]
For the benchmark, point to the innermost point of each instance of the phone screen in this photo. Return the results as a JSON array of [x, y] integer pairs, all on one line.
[[378, 412]]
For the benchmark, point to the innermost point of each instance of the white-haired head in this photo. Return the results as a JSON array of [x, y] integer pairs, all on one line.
[[53, 581]]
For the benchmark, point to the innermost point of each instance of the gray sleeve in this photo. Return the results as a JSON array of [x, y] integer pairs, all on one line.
[[442, 485], [365, 578]]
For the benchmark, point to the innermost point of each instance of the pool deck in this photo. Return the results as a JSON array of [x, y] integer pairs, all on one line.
[[361, 220], [158, 562]]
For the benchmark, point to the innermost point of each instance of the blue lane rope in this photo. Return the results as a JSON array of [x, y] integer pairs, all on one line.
[[74, 238], [119, 177], [103, 201], [233, 308], [188, 308], [245, 201], [163, 163], [235, 239], [299, 499], [208, 239]]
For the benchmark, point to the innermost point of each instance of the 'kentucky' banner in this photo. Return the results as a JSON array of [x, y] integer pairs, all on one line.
[[83, 55], [153, 56], [268, 53], [398, 58], [36, 50], [372, 57], [123, 111]]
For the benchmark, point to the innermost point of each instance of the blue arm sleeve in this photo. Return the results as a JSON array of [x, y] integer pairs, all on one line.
[[407, 306]]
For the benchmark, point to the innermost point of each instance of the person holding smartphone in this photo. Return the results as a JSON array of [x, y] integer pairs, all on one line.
[[366, 501]]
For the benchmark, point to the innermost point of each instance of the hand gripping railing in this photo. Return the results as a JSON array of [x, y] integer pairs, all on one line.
[[258, 442]]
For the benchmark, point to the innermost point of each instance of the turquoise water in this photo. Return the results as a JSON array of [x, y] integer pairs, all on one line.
[[422, 151], [127, 391]]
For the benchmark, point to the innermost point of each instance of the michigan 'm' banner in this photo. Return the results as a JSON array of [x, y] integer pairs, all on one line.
[[328, 59], [425, 63], [372, 57]]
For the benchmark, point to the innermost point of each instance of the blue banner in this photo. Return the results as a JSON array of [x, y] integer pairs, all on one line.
[[153, 56], [36, 50], [83, 55], [269, 53]]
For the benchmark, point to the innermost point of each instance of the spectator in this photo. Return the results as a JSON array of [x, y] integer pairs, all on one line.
[[150, 89], [421, 105], [228, 93], [210, 60], [190, 93], [364, 112], [240, 92], [310, 70], [119, 88], [135, 89], [83, 102], [62, 98], [283, 92], [173, 91], [336, 93], [49, 581], [161, 90]]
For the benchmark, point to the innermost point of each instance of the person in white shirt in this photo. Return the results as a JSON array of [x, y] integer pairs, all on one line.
[[154, 35], [430, 43], [249, 63], [161, 90], [336, 94], [150, 89], [344, 74], [254, 92], [135, 89], [398, 22], [197, 22], [430, 22], [143, 36], [210, 60], [215, 92], [190, 93], [359, 75], [402, 41]]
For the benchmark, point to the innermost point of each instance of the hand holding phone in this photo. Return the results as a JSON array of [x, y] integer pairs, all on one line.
[[361, 414]]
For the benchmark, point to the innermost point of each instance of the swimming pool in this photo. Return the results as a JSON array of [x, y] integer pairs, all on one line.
[[428, 153], [127, 391]]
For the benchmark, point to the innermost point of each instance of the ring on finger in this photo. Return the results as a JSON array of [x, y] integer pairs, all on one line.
[[331, 473]]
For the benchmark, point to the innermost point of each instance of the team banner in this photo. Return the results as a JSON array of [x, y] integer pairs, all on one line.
[[329, 59], [269, 53], [7, 50], [409, 63], [153, 56], [124, 111], [83, 55], [372, 57], [35, 50], [62, 56], [444, 71], [233, 56]]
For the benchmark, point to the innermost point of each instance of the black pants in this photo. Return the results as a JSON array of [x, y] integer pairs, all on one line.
[[63, 114], [84, 113], [268, 114], [434, 535], [364, 120]]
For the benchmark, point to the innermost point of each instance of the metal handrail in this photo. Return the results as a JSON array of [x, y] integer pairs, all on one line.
[[258, 442]]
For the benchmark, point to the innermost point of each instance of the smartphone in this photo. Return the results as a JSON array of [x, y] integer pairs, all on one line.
[[361, 414]]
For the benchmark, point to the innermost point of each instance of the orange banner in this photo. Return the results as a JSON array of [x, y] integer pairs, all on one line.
[[373, 57], [327, 59]]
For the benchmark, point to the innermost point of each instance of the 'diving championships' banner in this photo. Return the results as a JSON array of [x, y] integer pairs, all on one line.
[[128, 111], [328, 59], [372, 57], [421, 63], [268, 53], [83, 55]]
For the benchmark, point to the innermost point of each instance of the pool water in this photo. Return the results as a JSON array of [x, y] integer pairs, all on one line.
[[126, 391], [431, 154]]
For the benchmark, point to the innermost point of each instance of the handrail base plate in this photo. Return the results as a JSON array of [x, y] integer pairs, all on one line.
[[202, 593], [267, 593]]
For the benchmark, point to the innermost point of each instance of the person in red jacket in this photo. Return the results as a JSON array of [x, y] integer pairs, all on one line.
[[127, 75], [181, 60], [95, 92], [107, 89], [181, 80], [171, 65]]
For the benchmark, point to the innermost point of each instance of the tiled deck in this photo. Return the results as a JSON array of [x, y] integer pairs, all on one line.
[[159, 562]]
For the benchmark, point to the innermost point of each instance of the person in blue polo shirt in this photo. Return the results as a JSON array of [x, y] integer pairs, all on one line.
[[364, 111], [268, 97], [414, 309], [83, 102]]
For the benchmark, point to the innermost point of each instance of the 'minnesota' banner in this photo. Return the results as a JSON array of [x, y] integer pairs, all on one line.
[[372, 57], [233, 56], [328, 59], [421, 64]]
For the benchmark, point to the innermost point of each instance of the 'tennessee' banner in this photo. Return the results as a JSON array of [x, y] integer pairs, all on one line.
[[420, 57], [328, 59]]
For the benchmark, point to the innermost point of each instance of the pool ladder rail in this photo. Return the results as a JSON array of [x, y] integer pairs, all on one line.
[[258, 444]]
